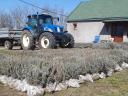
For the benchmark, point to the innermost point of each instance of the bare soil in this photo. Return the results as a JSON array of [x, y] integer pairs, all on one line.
[[6, 91]]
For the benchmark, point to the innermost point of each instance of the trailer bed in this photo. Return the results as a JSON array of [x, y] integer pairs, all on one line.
[[12, 36], [7, 33]]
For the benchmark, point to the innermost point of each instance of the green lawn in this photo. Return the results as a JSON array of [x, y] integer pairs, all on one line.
[[117, 85]]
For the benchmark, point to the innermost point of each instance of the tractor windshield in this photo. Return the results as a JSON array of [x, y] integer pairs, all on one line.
[[48, 21], [43, 19]]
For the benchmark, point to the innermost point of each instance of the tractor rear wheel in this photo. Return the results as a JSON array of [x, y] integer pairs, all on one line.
[[27, 41], [47, 40], [8, 45], [68, 41]]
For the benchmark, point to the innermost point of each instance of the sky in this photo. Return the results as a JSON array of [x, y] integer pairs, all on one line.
[[67, 5]]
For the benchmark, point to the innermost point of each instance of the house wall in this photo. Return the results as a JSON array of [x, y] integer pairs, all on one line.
[[125, 37], [85, 32]]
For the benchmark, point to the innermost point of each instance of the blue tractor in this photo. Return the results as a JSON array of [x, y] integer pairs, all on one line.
[[41, 31]]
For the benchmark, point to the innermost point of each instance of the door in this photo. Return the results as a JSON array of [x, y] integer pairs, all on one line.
[[117, 32]]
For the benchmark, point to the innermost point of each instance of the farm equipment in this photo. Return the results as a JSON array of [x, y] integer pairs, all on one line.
[[9, 38], [40, 31]]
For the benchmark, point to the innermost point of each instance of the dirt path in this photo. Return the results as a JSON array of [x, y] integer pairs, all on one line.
[[6, 91]]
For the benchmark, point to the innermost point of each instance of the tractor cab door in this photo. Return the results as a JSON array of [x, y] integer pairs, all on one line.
[[32, 21]]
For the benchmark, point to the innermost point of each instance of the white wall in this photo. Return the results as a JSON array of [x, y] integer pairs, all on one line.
[[86, 31], [125, 37]]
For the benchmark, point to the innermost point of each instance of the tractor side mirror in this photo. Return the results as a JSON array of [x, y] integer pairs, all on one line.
[[58, 18]]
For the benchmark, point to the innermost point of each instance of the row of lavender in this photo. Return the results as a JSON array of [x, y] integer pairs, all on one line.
[[51, 69]]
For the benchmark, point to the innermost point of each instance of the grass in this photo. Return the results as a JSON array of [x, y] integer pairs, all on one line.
[[117, 85]]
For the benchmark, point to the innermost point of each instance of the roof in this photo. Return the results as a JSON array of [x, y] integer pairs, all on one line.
[[97, 10], [40, 15]]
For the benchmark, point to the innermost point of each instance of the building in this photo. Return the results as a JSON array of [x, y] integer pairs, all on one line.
[[97, 20]]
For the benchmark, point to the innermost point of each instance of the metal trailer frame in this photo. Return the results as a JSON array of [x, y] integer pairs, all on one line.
[[10, 35]]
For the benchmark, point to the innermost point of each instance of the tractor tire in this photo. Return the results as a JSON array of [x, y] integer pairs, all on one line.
[[47, 41], [68, 44], [8, 45], [27, 40]]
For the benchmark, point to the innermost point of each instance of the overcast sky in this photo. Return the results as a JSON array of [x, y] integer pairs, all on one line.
[[67, 5]]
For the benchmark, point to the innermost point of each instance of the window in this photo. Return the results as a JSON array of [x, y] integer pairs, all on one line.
[[75, 26], [118, 29], [48, 20]]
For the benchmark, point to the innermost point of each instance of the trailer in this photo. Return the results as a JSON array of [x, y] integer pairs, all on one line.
[[9, 38]]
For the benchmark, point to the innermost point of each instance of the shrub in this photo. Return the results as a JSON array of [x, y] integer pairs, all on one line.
[[110, 45], [41, 67], [102, 45]]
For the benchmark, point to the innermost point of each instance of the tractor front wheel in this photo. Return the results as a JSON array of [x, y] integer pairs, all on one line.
[[47, 40]]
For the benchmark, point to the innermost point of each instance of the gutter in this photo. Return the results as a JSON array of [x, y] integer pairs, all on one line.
[[108, 19]]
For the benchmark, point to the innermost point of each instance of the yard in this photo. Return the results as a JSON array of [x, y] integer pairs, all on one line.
[[112, 86], [42, 67], [6, 91]]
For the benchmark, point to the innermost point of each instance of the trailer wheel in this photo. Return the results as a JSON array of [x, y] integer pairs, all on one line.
[[27, 41], [8, 45], [47, 40], [68, 41]]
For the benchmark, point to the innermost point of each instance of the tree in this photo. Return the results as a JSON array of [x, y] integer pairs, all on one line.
[[55, 13], [5, 20], [16, 18], [18, 15]]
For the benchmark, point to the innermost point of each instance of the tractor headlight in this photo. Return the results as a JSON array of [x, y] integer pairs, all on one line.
[[58, 29]]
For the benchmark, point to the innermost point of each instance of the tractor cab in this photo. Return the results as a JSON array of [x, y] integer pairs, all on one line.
[[44, 22]]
